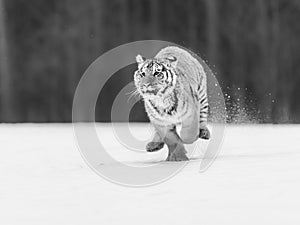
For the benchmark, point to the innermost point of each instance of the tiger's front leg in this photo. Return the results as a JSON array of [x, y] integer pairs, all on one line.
[[177, 151], [190, 129], [156, 144]]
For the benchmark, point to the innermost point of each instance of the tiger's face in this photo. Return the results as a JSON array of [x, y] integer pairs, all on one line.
[[155, 77]]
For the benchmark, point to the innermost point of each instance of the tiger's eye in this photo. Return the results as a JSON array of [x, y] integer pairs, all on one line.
[[160, 75], [158, 69]]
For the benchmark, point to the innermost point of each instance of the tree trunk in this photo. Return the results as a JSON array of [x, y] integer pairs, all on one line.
[[263, 81], [155, 19], [192, 21], [212, 28], [269, 31], [6, 98], [98, 26], [274, 68]]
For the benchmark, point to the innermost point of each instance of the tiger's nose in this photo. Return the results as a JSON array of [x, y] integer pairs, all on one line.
[[149, 79]]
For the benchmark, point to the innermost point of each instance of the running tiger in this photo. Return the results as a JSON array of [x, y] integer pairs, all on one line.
[[173, 87]]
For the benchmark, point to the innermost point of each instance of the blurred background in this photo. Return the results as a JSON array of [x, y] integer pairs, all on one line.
[[46, 45]]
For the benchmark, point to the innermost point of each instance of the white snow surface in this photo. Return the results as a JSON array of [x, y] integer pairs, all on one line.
[[254, 180]]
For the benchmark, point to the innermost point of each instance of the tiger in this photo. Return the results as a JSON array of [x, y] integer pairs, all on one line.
[[173, 86]]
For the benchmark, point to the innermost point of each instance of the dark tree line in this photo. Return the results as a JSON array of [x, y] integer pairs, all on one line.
[[46, 45]]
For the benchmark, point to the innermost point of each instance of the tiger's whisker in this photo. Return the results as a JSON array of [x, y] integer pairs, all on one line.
[[133, 93]]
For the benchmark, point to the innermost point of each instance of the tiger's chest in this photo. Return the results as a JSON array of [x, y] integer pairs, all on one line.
[[172, 110]]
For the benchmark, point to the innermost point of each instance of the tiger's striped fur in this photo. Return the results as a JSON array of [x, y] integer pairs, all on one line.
[[173, 86]]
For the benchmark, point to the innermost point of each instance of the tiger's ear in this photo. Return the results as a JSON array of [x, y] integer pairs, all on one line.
[[173, 61], [140, 59]]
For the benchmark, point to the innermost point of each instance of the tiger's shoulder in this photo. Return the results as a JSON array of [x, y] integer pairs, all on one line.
[[188, 66]]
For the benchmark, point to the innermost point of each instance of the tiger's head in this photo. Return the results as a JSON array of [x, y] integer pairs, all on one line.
[[155, 77]]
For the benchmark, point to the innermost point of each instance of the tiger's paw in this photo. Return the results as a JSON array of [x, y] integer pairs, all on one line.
[[177, 157], [154, 146], [204, 133], [177, 153]]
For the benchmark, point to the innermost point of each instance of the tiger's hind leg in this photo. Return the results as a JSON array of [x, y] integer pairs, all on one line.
[[204, 132], [156, 144]]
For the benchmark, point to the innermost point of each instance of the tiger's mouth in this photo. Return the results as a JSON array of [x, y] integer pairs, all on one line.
[[150, 91], [154, 91]]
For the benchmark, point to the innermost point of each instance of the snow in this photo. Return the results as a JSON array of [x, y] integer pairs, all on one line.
[[254, 180]]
